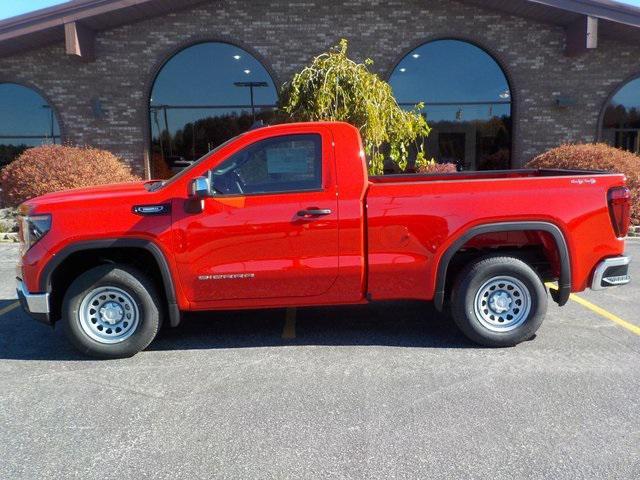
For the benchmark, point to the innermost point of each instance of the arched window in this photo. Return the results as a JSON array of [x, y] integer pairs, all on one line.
[[621, 119], [467, 103], [26, 120], [202, 96]]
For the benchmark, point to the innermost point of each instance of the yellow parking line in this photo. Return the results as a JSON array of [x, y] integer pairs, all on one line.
[[289, 330], [608, 315], [10, 307], [601, 311]]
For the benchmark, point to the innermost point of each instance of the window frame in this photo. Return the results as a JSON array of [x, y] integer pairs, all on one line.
[[494, 55], [57, 136], [165, 59], [319, 145], [619, 87]]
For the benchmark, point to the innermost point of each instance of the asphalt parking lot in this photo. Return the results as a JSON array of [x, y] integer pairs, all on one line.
[[384, 391]]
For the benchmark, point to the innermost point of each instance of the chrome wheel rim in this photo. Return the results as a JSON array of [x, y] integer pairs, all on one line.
[[502, 304], [108, 315]]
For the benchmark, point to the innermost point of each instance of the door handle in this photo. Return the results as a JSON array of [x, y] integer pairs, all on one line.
[[314, 212]]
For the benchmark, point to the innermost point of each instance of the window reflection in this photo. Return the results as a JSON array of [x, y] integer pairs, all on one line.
[[277, 165], [621, 123], [203, 96], [26, 120], [467, 103]]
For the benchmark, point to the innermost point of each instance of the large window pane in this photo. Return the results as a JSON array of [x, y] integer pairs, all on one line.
[[203, 96], [26, 120], [467, 103], [277, 165], [621, 123]]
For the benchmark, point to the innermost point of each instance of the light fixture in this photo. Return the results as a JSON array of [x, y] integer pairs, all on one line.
[[565, 102], [251, 86], [416, 55], [403, 69], [247, 71], [237, 57]]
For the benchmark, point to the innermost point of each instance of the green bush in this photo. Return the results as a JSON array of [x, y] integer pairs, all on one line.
[[597, 157], [335, 88]]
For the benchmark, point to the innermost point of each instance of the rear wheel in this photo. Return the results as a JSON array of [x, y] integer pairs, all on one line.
[[110, 311], [499, 301]]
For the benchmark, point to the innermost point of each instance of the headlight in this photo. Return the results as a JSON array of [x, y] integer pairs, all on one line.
[[32, 229]]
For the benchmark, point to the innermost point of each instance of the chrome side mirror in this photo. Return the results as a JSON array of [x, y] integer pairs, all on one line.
[[200, 188]]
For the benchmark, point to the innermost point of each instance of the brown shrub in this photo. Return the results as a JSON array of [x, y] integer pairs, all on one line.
[[432, 167], [597, 157], [51, 168], [159, 168]]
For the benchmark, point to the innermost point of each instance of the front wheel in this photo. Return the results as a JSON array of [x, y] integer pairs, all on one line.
[[110, 311], [498, 301]]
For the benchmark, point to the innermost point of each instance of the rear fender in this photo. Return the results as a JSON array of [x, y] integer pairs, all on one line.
[[560, 296]]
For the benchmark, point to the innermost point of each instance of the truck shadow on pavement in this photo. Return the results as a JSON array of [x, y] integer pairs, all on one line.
[[397, 324]]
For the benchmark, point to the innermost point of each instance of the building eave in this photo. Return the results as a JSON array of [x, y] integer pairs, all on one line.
[[616, 20], [48, 25], [602, 9]]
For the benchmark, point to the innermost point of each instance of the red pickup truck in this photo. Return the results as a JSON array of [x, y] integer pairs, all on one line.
[[286, 216]]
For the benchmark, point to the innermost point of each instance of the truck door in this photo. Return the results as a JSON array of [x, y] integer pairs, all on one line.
[[271, 229]]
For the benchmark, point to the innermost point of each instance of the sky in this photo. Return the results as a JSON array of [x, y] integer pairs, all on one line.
[[11, 8]]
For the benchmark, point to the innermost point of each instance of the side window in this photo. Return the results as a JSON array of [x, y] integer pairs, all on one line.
[[282, 164]]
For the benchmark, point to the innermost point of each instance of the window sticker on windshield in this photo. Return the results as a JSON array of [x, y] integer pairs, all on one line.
[[290, 160]]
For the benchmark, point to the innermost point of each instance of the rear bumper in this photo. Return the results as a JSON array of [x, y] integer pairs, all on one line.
[[35, 304], [611, 272]]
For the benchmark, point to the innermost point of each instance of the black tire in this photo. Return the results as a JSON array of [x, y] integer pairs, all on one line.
[[483, 325], [139, 289]]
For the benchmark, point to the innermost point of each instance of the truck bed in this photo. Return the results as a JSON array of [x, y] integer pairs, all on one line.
[[413, 219]]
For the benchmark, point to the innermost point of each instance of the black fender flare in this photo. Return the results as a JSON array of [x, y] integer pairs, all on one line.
[[148, 245], [561, 296]]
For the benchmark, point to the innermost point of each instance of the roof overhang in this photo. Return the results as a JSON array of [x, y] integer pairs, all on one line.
[[75, 22], [81, 18], [602, 9], [614, 19]]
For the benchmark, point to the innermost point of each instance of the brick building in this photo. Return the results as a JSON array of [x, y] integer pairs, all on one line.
[[159, 82]]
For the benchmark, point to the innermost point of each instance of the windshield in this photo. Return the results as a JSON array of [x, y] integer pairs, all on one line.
[[186, 170]]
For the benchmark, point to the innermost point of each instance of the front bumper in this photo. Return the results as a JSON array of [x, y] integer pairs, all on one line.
[[611, 272], [35, 304]]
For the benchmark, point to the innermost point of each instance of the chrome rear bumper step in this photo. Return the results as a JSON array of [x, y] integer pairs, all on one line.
[[612, 272]]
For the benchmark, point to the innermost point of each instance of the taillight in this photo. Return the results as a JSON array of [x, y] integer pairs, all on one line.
[[620, 210]]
